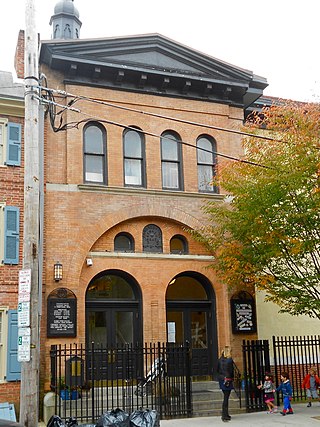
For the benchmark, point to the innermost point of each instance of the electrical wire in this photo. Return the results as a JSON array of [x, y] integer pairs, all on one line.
[[75, 124], [175, 119]]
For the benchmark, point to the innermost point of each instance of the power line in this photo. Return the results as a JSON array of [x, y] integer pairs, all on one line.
[[72, 125], [121, 107]]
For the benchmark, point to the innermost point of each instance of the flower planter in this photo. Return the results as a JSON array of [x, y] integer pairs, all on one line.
[[65, 394]]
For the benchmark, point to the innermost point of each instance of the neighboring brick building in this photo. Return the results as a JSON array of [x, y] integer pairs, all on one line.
[[11, 227]]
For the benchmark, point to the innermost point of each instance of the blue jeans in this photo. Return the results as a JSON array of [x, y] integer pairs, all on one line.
[[287, 404]]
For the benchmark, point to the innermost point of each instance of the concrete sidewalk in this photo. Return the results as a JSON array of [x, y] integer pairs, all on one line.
[[302, 417]]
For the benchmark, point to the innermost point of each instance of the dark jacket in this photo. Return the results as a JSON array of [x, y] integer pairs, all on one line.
[[225, 370], [286, 389]]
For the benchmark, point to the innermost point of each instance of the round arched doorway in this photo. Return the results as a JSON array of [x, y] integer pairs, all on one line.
[[191, 316], [113, 313]]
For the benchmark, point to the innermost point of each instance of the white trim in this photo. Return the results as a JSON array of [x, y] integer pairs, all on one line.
[[146, 255], [2, 206], [3, 141], [3, 343]]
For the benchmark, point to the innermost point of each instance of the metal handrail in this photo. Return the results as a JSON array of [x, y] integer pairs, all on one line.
[[237, 382]]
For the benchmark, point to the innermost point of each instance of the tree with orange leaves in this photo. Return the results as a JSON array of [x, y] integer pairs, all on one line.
[[267, 230]]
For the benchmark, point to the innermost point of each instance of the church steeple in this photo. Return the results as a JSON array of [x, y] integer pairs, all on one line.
[[65, 21]]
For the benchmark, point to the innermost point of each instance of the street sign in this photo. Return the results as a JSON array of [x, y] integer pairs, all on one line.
[[24, 341], [23, 314], [24, 285]]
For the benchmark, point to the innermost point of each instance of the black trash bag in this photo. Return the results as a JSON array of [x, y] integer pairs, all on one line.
[[116, 417], [55, 421], [71, 422], [145, 418]]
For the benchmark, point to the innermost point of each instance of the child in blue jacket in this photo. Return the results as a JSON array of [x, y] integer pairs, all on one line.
[[286, 389]]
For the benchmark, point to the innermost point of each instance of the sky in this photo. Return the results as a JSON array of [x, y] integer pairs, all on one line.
[[276, 39]]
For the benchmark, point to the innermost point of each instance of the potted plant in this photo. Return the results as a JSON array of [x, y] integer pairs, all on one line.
[[75, 393], [63, 389]]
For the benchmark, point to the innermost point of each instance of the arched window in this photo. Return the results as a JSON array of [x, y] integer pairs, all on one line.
[[134, 158], [67, 32], [171, 161], [123, 242], [178, 245], [152, 239], [206, 148], [94, 153], [56, 32]]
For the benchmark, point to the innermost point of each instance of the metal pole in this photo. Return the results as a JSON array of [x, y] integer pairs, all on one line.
[[29, 394]]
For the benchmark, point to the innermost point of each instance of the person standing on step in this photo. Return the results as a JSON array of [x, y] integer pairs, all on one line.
[[310, 382], [225, 376]]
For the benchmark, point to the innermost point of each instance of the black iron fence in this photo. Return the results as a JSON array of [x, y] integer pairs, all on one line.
[[90, 381], [295, 355], [256, 362]]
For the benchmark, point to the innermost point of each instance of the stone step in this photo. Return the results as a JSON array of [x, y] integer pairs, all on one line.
[[206, 397]]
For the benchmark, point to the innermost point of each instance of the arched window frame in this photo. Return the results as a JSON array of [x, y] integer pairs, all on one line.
[[150, 242], [136, 159], [184, 243], [94, 155], [171, 162], [206, 164], [130, 240]]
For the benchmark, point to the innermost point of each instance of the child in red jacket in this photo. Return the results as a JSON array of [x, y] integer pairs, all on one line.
[[311, 382]]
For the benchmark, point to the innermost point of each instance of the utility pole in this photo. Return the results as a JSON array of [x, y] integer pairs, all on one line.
[[29, 394]]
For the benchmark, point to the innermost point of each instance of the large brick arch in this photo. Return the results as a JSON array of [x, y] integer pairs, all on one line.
[[89, 235]]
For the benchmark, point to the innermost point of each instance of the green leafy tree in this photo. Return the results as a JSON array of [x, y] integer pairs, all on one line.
[[266, 232]]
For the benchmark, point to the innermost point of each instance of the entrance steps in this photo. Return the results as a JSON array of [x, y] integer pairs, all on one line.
[[207, 399]]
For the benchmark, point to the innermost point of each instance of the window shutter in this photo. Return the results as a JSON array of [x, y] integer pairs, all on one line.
[[11, 235], [14, 144], [13, 366]]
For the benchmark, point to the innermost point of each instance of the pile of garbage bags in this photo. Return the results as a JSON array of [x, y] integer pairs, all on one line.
[[116, 417]]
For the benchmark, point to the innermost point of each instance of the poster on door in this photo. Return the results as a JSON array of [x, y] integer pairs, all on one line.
[[171, 326]]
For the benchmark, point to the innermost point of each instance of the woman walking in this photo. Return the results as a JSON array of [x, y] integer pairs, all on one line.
[[225, 376]]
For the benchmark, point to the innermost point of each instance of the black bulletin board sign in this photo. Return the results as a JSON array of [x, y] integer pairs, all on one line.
[[62, 314], [243, 316]]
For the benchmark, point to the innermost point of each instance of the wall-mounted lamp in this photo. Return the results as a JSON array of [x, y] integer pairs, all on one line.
[[57, 271], [89, 262]]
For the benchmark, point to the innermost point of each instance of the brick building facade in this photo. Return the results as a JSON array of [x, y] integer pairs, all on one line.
[[124, 182], [127, 169], [11, 229]]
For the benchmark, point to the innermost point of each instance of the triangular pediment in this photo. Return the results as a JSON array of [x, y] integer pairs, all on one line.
[[154, 64], [149, 52]]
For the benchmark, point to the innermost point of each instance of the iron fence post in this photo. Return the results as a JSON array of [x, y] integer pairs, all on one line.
[[188, 379]]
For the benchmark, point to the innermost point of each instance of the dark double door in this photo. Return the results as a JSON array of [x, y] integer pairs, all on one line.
[[192, 322], [112, 329]]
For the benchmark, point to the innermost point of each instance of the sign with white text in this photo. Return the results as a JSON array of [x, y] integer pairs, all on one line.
[[24, 341]]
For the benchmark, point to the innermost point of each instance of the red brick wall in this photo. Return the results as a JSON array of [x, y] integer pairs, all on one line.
[[83, 219], [11, 193]]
